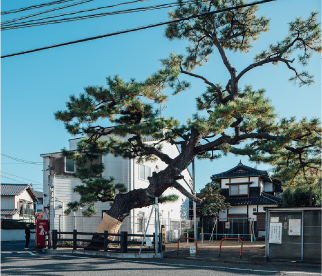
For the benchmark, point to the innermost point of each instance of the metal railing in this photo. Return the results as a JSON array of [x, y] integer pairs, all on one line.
[[235, 239]]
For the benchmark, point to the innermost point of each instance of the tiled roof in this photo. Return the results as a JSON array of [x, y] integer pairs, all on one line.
[[256, 200], [241, 170], [9, 212], [13, 189], [16, 189]]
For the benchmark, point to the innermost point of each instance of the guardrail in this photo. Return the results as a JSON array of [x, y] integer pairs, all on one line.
[[241, 246], [187, 239]]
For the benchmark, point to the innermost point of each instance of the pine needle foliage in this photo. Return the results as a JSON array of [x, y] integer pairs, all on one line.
[[230, 118]]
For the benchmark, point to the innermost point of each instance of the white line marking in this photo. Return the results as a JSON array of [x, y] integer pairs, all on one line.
[[73, 257], [300, 272], [31, 253]]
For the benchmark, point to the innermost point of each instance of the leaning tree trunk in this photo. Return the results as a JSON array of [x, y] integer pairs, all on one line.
[[139, 198]]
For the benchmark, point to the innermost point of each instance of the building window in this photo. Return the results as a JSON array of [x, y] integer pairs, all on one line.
[[144, 172], [238, 190], [69, 165]]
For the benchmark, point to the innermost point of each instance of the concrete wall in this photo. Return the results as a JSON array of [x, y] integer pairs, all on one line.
[[15, 235]]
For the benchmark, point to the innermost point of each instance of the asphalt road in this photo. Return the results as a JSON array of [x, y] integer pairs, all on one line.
[[17, 261]]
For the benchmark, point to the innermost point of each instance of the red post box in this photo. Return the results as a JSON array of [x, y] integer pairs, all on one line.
[[41, 228]]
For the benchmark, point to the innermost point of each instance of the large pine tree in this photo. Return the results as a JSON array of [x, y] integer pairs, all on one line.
[[231, 118]]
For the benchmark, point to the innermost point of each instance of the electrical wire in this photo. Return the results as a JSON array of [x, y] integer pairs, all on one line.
[[13, 179], [46, 11], [21, 177], [21, 160], [33, 23], [36, 6], [132, 30]]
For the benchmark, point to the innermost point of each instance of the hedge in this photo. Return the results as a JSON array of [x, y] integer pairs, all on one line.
[[15, 224]]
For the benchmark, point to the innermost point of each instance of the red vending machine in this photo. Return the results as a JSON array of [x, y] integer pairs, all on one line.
[[41, 228]]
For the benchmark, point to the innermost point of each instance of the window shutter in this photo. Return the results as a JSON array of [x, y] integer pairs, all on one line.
[[261, 222], [18, 207]]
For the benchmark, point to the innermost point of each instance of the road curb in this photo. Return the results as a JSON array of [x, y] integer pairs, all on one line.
[[102, 254]]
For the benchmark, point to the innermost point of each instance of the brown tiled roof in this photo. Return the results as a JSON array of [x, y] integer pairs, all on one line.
[[16, 189], [9, 212]]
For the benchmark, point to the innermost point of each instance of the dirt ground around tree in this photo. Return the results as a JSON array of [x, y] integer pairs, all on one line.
[[230, 251]]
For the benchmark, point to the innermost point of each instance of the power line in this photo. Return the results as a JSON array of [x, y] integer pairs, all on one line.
[[35, 6], [13, 179], [2, 148], [21, 160], [38, 22], [133, 30], [21, 177], [46, 11]]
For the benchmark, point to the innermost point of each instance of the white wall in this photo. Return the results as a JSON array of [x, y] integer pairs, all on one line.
[[24, 195], [8, 202], [254, 181], [238, 210], [239, 180], [223, 183], [268, 187], [15, 235]]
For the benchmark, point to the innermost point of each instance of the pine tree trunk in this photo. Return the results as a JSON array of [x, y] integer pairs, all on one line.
[[139, 198]]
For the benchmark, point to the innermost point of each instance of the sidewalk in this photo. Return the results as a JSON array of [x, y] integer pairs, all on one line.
[[230, 251], [252, 253]]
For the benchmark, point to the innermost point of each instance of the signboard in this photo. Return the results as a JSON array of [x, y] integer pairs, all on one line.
[[294, 227], [40, 215], [275, 219], [275, 233], [227, 225], [148, 242], [192, 251]]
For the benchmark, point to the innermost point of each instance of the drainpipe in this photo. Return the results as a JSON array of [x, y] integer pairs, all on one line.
[[53, 187]]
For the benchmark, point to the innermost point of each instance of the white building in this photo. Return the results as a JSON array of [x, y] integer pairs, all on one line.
[[59, 184]]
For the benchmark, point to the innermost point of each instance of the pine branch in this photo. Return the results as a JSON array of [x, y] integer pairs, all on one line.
[[152, 150], [182, 190]]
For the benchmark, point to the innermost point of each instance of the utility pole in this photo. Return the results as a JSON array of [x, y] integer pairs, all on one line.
[[194, 203]]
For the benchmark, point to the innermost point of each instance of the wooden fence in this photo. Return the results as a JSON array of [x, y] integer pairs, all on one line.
[[102, 241]]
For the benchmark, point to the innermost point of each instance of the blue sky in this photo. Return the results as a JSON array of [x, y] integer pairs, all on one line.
[[34, 86]]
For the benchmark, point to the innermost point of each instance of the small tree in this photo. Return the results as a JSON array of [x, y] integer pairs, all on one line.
[[212, 202], [231, 118]]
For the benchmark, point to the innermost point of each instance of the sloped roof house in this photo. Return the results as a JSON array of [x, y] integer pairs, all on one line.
[[248, 190], [17, 201]]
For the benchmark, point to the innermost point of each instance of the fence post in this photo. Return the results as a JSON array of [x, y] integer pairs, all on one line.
[[54, 239], [163, 237], [123, 242], [105, 240], [74, 239]]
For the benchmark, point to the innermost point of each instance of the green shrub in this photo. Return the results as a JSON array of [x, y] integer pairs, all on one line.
[[15, 224]]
